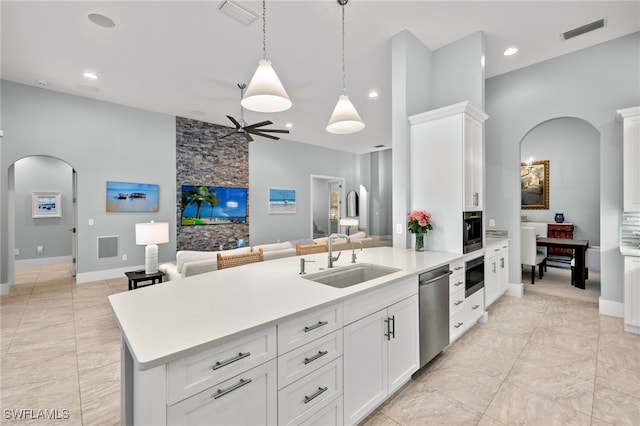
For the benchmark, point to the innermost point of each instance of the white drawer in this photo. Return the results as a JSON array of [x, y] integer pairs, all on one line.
[[456, 283], [307, 327], [456, 326], [195, 373], [456, 303], [330, 414], [370, 302], [296, 400], [297, 363], [457, 266], [474, 307]]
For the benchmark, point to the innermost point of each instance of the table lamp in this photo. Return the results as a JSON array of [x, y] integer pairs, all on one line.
[[348, 222], [150, 235]]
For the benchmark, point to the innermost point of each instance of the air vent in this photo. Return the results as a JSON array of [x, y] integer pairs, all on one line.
[[583, 29], [378, 146], [237, 12]]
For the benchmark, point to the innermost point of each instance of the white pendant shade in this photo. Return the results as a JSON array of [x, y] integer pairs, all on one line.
[[265, 92], [345, 119]]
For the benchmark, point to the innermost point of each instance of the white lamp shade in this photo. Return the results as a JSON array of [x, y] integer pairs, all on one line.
[[152, 233], [265, 92], [345, 119]]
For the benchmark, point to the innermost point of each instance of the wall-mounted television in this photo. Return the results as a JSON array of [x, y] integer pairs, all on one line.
[[213, 205]]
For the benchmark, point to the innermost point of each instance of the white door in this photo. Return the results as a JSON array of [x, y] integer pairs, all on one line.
[[403, 348], [365, 366]]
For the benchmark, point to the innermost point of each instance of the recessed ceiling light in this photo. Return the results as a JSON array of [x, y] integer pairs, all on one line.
[[237, 12], [373, 94], [510, 51], [288, 125], [101, 20], [41, 82], [90, 75]]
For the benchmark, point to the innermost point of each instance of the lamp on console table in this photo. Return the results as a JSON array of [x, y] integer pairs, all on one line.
[[348, 222], [150, 235]]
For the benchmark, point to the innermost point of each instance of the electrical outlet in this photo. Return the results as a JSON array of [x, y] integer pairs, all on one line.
[[492, 222], [398, 228], [124, 258], [40, 249], [16, 251], [90, 222]]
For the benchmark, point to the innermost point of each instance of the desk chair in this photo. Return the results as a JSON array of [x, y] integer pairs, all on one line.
[[528, 252]]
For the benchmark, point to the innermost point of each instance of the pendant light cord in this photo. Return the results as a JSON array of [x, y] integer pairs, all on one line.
[[344, 72], [264, 29]]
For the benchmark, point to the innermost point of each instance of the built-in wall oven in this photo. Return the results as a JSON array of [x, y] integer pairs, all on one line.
[[474, 276], [471, 231]]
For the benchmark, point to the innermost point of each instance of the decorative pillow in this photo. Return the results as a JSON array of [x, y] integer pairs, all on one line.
[[358, 236], [184, 256], [302, 242], [320, 240], [273, 246]]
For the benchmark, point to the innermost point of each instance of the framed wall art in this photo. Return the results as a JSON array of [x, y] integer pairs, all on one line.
[[132, 197], [46, 204], [534, 185], [282, 201]]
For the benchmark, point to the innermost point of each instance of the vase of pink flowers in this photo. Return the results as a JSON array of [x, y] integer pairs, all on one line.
[[419, 224]]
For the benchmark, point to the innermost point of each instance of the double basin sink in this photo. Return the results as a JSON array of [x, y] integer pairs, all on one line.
[[347, 276]]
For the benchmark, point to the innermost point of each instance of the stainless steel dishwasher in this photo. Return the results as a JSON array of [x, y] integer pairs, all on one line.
[[434, 313]]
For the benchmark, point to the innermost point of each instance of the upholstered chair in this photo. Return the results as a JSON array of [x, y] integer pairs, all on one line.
[[529, 256]]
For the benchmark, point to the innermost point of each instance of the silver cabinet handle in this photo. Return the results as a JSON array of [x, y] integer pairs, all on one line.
[[458, 325], [475, 198], [502, 262], [459, 283], [230, 360], [388, 333], [223, 392], [313, 327], [496, 249], [475, 307], [494, 267], [308, 399], [458, 302], [393, 326], [316, 356], [457, 268]]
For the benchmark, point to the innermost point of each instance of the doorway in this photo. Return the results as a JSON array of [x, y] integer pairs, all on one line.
[[327, 193], [44, 234]]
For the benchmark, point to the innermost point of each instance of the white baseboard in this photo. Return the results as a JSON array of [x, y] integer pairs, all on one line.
[[28, 263], [613, 309], [107, 274], [5, 288], [515, 290]]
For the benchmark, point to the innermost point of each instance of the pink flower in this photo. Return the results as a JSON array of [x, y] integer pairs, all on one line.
[[422, 222]]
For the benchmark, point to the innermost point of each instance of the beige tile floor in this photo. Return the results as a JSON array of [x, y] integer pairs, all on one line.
[[540, 360]]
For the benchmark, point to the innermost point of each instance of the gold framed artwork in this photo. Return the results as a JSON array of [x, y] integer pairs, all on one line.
[[534, 185]]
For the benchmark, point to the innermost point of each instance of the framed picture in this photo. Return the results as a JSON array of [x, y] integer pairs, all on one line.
[[46, 204], [213, 205], [534, 185], [132, 197], [282, 201]]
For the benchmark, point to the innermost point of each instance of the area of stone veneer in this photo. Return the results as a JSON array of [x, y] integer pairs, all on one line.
[[202, 159]]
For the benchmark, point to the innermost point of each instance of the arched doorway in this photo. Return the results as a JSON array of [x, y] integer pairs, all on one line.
[[44, 225], [572, 148]]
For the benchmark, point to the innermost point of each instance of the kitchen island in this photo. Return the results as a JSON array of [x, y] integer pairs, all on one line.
[[169, 330]]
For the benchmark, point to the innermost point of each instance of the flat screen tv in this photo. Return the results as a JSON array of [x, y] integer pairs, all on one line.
[[213, 205]]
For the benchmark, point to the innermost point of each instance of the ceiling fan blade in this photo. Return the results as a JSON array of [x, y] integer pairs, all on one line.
[[262, 123], [264, 135], [247, 136], [272, 130], [234, 121], [228, 134]]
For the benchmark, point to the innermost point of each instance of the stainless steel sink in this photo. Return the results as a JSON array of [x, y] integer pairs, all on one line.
[[350, 275]]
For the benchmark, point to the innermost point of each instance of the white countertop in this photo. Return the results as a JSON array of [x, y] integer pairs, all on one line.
[[168, 321]]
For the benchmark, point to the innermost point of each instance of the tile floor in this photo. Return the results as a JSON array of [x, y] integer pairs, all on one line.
[[539, 360]]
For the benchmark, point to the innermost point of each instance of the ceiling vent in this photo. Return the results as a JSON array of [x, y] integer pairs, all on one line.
[[237, 12], [583, 29]]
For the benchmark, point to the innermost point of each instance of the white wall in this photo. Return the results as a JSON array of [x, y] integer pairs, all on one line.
[[574, 186], [591, 85]]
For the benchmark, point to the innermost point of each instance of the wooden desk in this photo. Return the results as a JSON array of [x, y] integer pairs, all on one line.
[[578, 246]]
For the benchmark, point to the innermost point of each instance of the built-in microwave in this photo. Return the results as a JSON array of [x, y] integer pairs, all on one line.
[[471, 231]]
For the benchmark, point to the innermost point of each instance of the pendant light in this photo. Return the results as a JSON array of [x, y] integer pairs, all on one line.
[[265, 92], [344, 119]]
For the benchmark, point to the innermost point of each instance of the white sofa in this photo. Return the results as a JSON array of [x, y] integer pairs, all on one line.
[[358, 239]]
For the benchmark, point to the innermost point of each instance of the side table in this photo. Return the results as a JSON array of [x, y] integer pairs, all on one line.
[[136, 277]]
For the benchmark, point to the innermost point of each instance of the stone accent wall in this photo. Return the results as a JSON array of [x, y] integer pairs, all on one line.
[[204, 160]]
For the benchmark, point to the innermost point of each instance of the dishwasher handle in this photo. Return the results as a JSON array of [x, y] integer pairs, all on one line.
[[446, 274]]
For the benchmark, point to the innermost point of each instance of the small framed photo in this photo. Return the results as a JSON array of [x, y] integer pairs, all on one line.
[[282, 201], [46, 204]]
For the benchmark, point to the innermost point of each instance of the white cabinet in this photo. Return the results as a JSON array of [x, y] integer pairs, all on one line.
[[247, 399], [496, 272], [456, 300], [381, 351], [446, 169], [632, 294], [630, 118]]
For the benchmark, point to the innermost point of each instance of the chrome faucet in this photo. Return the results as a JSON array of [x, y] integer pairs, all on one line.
[[331, 258]]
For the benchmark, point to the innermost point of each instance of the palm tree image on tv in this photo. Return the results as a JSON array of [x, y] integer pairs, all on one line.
[[213, 205]]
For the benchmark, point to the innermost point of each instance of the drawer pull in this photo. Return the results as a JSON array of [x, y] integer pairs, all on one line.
[[313, 327], [475, 307], [458, 302], [223, 392], [316, 356], [308, 399], [497, 249], [457, 268], [230, 360], [459, 283], [458, 325]]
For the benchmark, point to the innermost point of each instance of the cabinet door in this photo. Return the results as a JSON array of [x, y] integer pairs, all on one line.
[[632, 294], [403, 348], [473, 161], [247, 399], [491, 275], [631, 171], [365, 366], [504, 269]]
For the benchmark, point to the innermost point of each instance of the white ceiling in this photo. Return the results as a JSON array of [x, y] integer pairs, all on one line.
[[185, 58]]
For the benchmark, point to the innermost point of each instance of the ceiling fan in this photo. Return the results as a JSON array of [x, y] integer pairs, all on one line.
[[248, 130]]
